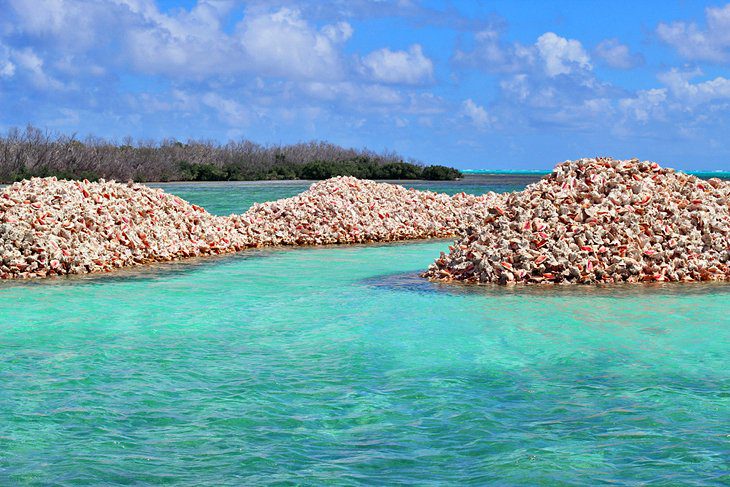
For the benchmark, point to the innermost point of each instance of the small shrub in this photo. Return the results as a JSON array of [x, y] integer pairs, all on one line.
[[441, 173]]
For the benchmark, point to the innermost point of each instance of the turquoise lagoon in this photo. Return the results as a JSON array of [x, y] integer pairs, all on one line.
[[339, 366]]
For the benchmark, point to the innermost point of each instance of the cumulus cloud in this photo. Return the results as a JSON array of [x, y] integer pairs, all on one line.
[[369, 96], [561, 55], [548, 83], [195, 43], [646, 105], [339, 32], [74, 24], [552, 83], [678, 98], [7, 68], [30, 65], [284, 44], [134, 32], [188, 43], [43, 16], [230, 111], [218, 61], [693, 42], [679, 84], [477, 114], [492, 54], [406, 67], [579, 115], [517, 87], [551, 54], [616, 55], [274, 43]]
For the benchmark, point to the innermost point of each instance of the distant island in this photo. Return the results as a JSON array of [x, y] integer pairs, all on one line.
[[34, 153]]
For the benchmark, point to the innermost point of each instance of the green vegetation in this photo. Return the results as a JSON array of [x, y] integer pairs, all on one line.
[[360, 167], [440, 173], [30, 153]]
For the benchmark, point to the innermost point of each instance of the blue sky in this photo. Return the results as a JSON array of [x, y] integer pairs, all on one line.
[[501, 85]]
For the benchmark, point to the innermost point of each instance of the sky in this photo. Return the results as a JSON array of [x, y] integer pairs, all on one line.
[[473, 84]]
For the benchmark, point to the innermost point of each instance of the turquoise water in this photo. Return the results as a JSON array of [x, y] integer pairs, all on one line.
[[339, 366]]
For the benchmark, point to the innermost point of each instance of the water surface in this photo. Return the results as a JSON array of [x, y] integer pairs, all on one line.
[[338, 365]]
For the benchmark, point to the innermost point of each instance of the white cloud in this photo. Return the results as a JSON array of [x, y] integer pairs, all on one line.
[[176, 100], [646, 105], [680, 86], [339, 32], [284, 44], [561, 55], [548, 82], [617, 55], [406, 67], [230, 111], [552, 54], [424, 103], [32, 66], [691, 42], [75, 24], [517, 87], [271, 63], [192, 43], [7, 68], [67, 118], [679, 99], [491, 54], [476, 113], [188, 43], [42, 16], [579, 115], [354, 94]]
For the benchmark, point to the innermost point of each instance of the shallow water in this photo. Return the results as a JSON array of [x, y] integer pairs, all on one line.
[[339, 365]]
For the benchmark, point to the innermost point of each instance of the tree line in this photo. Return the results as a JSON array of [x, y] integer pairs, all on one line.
[[32, 152]]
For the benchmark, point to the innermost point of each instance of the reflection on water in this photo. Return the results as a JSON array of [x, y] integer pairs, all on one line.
[[413, 282]]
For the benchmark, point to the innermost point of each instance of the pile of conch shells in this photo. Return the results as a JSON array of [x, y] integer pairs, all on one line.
[[51, 227], [348, 210], [599, 221], [54, 227]]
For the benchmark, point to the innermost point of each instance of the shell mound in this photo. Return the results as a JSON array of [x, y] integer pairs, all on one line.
[[54, 227], [599, 220], [346, 210]]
